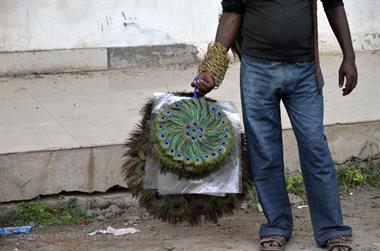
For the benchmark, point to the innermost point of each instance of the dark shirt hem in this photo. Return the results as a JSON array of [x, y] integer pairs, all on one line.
[[233, 6], [332, 5], [295, 59]]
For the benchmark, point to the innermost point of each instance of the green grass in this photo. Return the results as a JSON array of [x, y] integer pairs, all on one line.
[[252, 199], [41, 214], [353, 174], [356, 173], [294, 185]]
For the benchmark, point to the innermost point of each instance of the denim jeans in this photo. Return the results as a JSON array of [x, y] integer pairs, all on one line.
[[263, 85]]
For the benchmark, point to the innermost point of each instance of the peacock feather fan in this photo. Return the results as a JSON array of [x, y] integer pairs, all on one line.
[[191, 208], [191, 137]]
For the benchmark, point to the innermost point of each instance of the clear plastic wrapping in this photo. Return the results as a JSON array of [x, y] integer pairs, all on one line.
[[227, 179]]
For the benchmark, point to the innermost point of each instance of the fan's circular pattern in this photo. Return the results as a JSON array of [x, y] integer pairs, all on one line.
[[192, 137], [189, 208]]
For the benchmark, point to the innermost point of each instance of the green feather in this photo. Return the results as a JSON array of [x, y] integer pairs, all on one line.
[[192, 132]]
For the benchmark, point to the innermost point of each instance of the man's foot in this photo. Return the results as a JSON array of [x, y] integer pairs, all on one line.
[[273, 243], [339, 243]]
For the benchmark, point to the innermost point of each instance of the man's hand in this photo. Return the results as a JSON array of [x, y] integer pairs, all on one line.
[[338, 21], [349, 72], [228, 28], [204, 84]]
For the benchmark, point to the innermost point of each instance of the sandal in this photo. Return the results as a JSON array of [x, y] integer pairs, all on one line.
[[339, 241], [281, 240]]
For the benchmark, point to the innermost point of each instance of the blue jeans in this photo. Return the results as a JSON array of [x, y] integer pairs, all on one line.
[[263, 85]]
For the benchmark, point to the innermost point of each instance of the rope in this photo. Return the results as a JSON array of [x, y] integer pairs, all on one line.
[[215, 62]]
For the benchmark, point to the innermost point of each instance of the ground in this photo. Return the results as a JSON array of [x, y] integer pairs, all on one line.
[[361, 210]]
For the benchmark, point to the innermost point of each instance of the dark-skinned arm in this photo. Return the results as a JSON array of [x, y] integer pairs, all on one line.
[[338, 22], [228, 28]]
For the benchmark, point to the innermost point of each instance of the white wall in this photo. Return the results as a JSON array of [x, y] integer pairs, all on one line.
[[364, 20], [27, 25]]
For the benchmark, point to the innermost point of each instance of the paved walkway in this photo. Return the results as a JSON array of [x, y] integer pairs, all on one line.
[[46, 112]]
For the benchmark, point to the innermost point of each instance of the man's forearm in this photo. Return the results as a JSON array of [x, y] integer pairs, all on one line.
[[228, 28], [338, 22], [214, 66]]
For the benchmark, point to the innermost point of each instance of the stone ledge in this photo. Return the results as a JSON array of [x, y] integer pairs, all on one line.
[[27, 175], [151, 56], [95, 59], [54, 61]]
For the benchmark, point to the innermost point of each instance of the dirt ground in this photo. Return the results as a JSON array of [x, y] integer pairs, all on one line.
[[237, 232]]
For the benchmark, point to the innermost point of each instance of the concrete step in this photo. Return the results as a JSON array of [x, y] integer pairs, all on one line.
[[65, 132]]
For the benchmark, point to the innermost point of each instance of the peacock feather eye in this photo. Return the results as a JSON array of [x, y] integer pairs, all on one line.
[[222, 143], [219, 114], [193, 137], [219, 149], [187, 158], [225, 136], [197, 159], [199, 207], [212, 153], [158, 196], [213, 109], [161, 126], [206, 155], [179, 155], [162, 136], [200, 129], [200, 136], [166, 143], [176, 205]]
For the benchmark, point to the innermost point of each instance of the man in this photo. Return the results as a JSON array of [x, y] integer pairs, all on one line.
[[279, 61]]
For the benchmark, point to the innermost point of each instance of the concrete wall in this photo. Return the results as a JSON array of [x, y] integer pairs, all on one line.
[[364, 20], [56, 24], [26, 175], [72, 24]]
